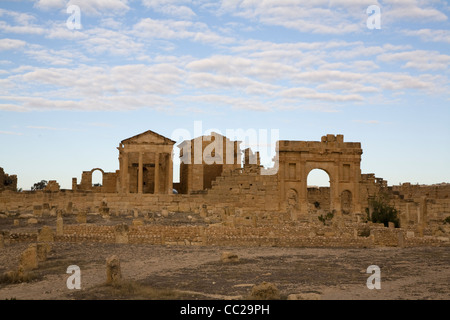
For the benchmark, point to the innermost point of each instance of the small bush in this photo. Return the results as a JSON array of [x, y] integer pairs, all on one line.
[[326, 218], [447, 220], [12, 277], [383, 212]]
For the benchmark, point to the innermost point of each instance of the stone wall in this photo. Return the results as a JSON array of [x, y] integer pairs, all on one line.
[[273, 235], [245, 190], [320, 198], [409, 191], [240, 194]]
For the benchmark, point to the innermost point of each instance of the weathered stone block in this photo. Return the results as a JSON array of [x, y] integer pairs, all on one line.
[[229, 257], [113, 271], [304, 296], [46, 234], [82, 217], [29, 259], [265, 291], [401, 239], [121, 234], [59, 226], [32, 221], [43, 250]]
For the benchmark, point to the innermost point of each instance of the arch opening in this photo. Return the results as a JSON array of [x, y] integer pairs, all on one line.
[[319, 191], [97, 178]]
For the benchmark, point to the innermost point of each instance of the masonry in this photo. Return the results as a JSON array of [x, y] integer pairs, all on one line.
[[214, 182]]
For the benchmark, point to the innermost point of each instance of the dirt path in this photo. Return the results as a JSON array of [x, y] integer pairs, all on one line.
[[409, 273]]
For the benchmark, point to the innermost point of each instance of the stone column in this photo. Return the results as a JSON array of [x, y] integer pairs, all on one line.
[[335, 191], [156, 189], [303, 192], [126, 185], [59, 225], [170, 174], [423, 211], [140, 173]]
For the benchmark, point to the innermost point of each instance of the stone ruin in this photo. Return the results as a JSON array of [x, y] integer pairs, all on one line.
[[7, 182], [243, 196]]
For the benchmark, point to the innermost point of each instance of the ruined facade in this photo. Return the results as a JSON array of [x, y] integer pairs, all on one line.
[[7, 182], [213, 181], [145, 162], [341, 160], [205, 158]]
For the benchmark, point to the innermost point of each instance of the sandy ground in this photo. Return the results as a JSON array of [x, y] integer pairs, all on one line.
[[198, 273]]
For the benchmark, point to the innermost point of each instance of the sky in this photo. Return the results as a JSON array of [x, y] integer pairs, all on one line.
[[78, 77]]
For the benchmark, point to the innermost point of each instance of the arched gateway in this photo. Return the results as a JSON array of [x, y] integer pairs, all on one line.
[[341, 160]]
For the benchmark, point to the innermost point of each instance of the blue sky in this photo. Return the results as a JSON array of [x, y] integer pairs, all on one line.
[[304, 68]]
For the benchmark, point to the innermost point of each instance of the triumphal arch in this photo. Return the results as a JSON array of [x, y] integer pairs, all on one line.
[[340, 160]]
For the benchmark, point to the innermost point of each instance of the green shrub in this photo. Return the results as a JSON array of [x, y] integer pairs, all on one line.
[[383, 212], [326, 218], [447, 220]]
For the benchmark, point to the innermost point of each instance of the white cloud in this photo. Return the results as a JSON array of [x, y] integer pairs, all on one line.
[[18, 17], [321, 76], [235, 103], [175, 8], [308, 93], [6, 28], [418, 59], [100, 40], [232, 65], [24, 23], [347, 86], [93, 88], [329, 16], [438, 35], [11, 133], [46, 128], [60, 31], [173, 29], [97, 7], [90, 7], [401, 81], [11, 44], [50, 4], [54, 57], [367, 121], [411, 10]]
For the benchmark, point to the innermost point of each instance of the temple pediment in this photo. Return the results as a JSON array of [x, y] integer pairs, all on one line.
[[148, 137]]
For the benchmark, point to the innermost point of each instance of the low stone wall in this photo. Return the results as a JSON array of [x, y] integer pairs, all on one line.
[[302, 235]]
